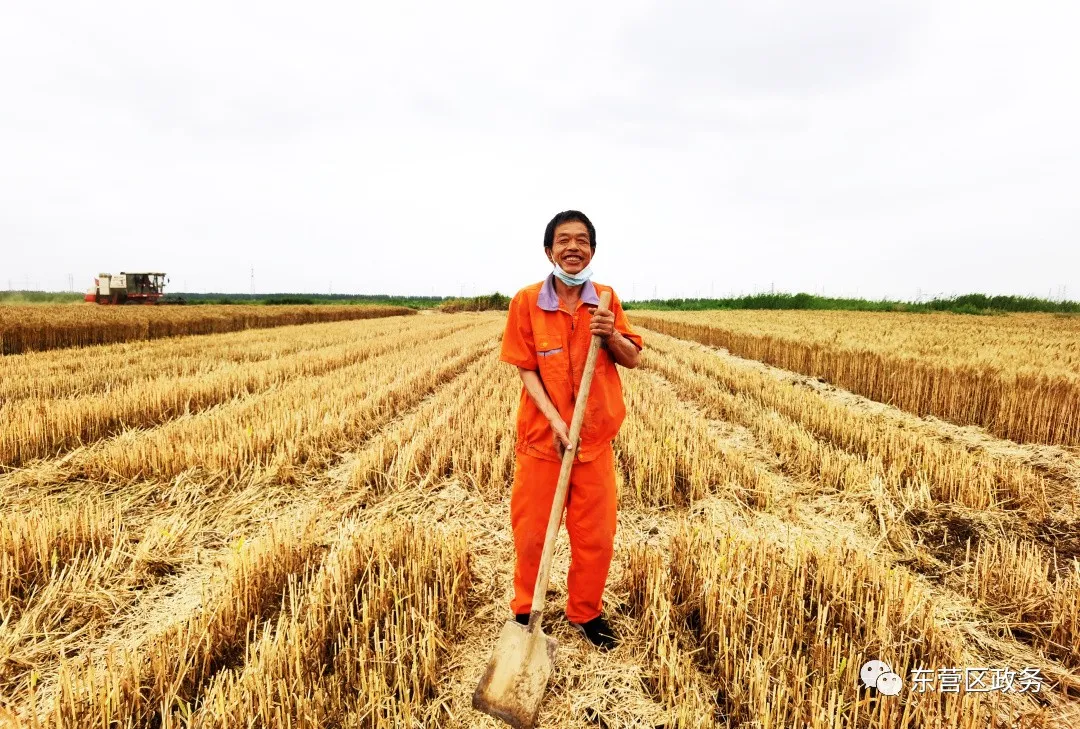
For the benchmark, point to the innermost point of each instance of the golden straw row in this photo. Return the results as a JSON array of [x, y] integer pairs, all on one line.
[[1012, 344], [73, 567], [272, 434], [782, 630], [77, 372], [131, 685], [933, 470], [378, 609], [1052, 601], [465, 431], [1036, 593], [161, 530], [667, 456], [40, 327], [35, 428], [815, 432], [362, 643], [1012, 402], [59, 570]]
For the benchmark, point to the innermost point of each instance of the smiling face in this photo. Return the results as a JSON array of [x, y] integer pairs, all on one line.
[[571, 247]]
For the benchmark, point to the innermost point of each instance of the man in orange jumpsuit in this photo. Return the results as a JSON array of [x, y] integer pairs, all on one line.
[[548, 331]]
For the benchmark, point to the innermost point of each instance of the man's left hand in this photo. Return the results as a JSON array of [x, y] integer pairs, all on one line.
[[603, 323]]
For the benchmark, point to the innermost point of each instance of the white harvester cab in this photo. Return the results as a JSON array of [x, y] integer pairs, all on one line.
[[127, 288]]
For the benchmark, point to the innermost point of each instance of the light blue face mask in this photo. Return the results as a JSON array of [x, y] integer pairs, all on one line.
[[573, 280]]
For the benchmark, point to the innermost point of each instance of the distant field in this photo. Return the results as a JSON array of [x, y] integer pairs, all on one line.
[[201, 299], [40, 327], [1016, 375], [965, 304], [309, 526]]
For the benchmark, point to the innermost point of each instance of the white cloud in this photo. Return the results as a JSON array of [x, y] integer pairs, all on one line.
[[419, 147]]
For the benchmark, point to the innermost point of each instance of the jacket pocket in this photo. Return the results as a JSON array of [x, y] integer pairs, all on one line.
[[552, 359]]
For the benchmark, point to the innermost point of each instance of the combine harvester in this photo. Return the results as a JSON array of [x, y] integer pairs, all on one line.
[[129, 288]]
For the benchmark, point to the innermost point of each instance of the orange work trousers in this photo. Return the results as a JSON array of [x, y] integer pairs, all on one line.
[[590, 522]]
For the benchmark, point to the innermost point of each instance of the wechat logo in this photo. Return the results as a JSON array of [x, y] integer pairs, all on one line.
[[878, 675]]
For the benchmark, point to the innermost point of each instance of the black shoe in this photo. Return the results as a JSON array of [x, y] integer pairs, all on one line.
[[598, 632], [523, 618]]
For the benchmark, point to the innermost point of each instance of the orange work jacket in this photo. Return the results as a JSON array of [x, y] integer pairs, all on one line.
[[543, 335]]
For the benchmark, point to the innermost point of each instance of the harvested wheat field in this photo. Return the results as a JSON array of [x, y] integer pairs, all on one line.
[[1018, 376], [308, 526], [41, 327]]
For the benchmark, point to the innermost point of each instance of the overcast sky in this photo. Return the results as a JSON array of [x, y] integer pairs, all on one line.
[[853, 147]]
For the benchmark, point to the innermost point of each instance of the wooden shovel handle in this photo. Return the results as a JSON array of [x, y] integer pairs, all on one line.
[[557, 505]]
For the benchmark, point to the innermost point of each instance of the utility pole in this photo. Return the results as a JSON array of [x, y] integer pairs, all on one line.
[[252, 278]]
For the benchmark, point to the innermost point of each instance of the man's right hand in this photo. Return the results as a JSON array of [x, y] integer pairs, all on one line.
[[560, 435]]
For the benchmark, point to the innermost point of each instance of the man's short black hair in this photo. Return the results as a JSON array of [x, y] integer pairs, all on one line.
[[568, 216]]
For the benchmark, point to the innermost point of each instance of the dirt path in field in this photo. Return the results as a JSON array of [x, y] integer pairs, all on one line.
[[588, 686]]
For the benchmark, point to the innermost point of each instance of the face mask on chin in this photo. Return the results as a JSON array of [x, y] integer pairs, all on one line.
[[573, 279]]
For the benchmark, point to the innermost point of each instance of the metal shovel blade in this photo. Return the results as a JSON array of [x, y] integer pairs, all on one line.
[[517, 675]]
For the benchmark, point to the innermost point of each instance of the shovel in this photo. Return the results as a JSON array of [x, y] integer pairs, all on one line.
[[517, 674]]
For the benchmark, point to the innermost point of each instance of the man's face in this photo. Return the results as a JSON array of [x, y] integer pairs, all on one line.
[[570, 249]]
